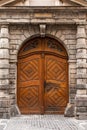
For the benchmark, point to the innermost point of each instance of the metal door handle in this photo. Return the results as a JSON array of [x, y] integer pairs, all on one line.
[[44, 84]]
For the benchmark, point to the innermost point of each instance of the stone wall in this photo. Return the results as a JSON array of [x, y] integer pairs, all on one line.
[[69, 27], [65, 34]]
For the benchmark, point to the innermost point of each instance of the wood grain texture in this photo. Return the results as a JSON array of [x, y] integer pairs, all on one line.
[[42, 77], [56, 94]]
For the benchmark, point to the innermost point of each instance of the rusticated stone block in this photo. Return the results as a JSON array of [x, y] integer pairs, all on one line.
[[4, 110], [4, 87], [81, 60], [3, 35], [4, 81], [6, 115], [12, 76], [81, 71], [81, 51], [81, 116], [4, 103], [72, 47], [4, 66], [80, 45], [81, 109], [81, 65], [12, 86], [72, 57], [81, 86], [80, 41], [80, 103], [13, 57], [4, 54], [81, 31], [81, 81], [4, 29], [81, 76], [72, 91], [4, 71], [81, 92], [72, 52], [13, 52], [4, 43], [71, 42], [12, 91], [4, 76], [81, 97], [13, 61], [81, 56]]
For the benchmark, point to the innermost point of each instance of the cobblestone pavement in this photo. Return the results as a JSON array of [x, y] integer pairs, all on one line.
[[42, 122]]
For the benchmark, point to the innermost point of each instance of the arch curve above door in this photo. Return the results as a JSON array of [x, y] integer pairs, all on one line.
[[42, 77], [46, 45]]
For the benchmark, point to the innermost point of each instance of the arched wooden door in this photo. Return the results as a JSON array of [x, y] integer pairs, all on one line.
[[42, 77]]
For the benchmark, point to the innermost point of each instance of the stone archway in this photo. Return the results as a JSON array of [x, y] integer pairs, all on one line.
[[42, 77]]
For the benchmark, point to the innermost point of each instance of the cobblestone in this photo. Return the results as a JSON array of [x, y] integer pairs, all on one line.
[[40, 122]]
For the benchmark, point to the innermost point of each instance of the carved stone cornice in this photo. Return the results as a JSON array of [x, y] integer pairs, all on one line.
[[43, 15], [5, 2]]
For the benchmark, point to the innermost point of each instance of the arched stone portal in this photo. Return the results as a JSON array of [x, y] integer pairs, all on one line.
[[42, 77]]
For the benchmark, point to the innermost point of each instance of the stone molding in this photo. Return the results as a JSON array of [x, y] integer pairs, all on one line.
[[42, 15], [42, 30]]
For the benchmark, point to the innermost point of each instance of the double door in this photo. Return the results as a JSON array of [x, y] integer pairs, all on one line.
[[42, 84]]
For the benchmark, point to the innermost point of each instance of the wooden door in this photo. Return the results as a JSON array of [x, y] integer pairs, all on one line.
[[29, 84], [42, 77], [56, 87]]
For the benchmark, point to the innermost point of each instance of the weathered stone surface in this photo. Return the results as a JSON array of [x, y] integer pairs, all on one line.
[[81, 109], [4, 43], [81, 32], [4, 72], [81, 76], [4, 66], [81, 97], [80, 103], [81, 81], [69, 111], [81, 86], [24, 25], [80, 45], [81, 65], [81, 116], [4, 53], [14, 110], [81, 71], [81, 92], [81, 56]]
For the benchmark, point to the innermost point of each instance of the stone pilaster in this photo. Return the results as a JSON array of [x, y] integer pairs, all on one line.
[[4, 72], [81, 94]]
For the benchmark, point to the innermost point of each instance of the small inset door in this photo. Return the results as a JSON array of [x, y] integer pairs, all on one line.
[[42, 77]]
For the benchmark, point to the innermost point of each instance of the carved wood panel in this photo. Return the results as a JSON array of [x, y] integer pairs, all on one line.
[[42, 77], [29, 84], [56, 89]]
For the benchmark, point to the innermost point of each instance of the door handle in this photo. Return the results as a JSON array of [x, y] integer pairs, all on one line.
[[44, 84]]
